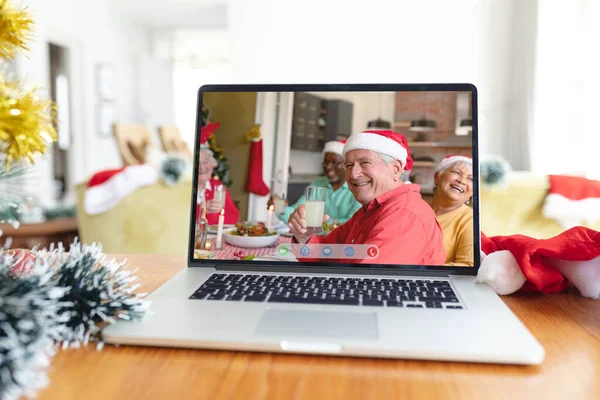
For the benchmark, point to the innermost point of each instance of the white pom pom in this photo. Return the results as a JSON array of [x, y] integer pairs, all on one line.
[[501, 271]]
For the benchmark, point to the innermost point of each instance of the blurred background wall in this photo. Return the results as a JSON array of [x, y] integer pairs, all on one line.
[[533, 62]]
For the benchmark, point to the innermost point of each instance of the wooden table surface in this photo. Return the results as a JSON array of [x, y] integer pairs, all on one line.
[[567, 325]]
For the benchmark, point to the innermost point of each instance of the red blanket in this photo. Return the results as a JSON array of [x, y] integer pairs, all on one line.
[[536, 257]]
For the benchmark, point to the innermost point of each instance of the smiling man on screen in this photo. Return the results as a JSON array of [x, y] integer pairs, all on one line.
[[393, 215]]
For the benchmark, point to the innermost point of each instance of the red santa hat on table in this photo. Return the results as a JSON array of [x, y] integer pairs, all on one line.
[[385, 142], [335, 146], [514, 262], [451, 159]]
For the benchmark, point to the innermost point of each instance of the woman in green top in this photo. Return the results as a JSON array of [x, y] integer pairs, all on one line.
[[340, 204]]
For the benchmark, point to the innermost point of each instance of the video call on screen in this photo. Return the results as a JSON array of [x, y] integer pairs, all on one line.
[[338, 156]]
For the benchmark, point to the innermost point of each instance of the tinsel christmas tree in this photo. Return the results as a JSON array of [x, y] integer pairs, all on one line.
[[221, 171], [27, 122]]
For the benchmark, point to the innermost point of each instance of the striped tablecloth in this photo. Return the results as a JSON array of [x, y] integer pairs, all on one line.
[[228, 250]]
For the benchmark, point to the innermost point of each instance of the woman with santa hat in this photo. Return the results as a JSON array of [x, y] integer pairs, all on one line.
[[207, 185], [452, 192], [394, 219], [340, 204]]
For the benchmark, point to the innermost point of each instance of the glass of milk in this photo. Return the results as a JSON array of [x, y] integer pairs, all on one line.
[[279, 203], [314, 207], [219, 193]]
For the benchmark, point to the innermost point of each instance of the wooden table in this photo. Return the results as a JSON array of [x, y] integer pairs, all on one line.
[[567, 325]]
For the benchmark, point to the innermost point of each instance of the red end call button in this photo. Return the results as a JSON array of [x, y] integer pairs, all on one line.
[[372, 251]]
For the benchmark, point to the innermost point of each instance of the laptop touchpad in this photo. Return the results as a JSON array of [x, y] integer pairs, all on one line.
[[332, 324]]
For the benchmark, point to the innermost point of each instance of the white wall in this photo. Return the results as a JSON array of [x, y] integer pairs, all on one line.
[[518, 137], [330, 41], [567, 64], [305, 162], [156, 93], [201, 57], [99, 36]]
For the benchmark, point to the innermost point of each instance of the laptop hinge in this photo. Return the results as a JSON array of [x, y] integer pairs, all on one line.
[[333, 271]]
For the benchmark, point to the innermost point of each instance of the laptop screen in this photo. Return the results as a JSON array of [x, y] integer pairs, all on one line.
[[367, 175]]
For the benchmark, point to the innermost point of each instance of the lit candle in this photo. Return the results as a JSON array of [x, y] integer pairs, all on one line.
[[208, 245], [269, 217], [220, 230]]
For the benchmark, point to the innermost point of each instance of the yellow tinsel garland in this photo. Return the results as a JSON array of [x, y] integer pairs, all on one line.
[[16, 28], [27, 123]]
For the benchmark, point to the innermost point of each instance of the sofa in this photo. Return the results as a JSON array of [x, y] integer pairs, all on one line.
[[516, 207], [155, 219]]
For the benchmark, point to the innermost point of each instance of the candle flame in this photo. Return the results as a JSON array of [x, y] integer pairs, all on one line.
[[222, 211], [271, 208]]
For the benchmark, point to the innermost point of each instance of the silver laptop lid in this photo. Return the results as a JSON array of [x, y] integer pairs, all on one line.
[[387, 175]]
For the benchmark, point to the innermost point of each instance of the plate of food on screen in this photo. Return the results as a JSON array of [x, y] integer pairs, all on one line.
[[249, 234]]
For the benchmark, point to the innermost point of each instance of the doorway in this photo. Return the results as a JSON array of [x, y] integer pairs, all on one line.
[[60, 84]]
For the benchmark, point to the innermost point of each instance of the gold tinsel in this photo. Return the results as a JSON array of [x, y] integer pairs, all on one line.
[[16, 28], [253, 133], [212, 144], [27, 123]]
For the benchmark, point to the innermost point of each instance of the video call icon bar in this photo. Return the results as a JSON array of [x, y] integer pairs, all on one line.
[[331, 251]]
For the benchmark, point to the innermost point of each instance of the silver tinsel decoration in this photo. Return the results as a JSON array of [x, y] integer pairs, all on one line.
[[172, 169], [494, 171], [100, 291], [57, 298], [30, 322]]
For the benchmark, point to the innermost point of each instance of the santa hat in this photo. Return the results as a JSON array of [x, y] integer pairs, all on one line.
[[516, 262], [572, 201], [206, 132], [335, 146], [107, 188], [451, 159], [385, 142]]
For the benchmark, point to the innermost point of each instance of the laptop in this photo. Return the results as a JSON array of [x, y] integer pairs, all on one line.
[[263, 290]]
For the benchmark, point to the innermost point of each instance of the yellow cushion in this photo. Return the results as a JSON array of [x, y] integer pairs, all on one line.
[[152, 220], [517, 208]]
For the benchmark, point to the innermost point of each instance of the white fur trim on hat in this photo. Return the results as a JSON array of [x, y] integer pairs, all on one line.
[[378, 143], [446, 162], [569, 213], [334, 147], [108, 194]]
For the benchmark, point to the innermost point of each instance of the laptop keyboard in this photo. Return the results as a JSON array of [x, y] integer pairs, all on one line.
[[322, 290]]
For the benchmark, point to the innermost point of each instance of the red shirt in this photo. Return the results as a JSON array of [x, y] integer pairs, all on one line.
[[400, 223], [231, 212]]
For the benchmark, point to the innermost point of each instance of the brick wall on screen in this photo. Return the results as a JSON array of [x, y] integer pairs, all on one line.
[[439, 107]]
